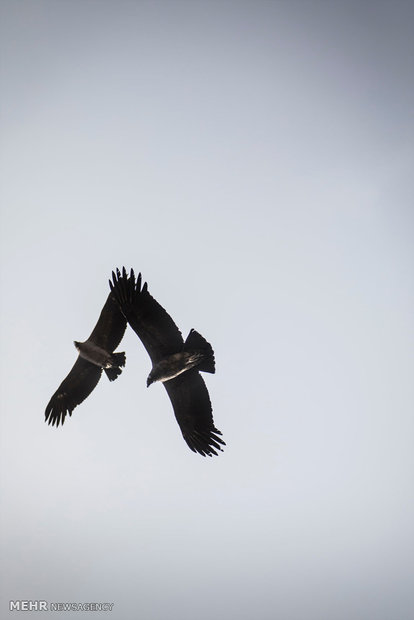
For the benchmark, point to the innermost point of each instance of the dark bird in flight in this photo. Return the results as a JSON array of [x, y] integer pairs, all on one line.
[[174, 362], [95, 354]]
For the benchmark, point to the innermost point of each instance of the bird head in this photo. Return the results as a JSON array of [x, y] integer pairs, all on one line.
[[77, 344], [150, 380]]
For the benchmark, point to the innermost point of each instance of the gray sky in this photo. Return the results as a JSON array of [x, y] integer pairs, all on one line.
[[254, 161]]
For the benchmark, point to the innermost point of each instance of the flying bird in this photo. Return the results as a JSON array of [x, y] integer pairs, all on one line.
[[95, 354], [174, 362]]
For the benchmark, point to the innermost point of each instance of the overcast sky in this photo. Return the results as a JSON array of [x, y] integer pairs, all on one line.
[[254, 160]]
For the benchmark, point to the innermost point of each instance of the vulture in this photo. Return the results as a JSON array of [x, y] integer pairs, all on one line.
[[95, 354], [174, 362]]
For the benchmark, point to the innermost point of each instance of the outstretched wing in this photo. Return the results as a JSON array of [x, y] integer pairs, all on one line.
[[110, 328], [152, 324], [192, 407], [79, 383]]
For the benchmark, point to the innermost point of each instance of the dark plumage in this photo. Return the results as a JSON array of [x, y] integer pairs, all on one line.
[[174, 362], [95, 354]]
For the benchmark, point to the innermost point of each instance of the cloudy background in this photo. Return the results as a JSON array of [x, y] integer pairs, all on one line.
[[254, 161]]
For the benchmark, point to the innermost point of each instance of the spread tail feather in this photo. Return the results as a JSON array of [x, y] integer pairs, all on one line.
[[117, 360], [196, 343]]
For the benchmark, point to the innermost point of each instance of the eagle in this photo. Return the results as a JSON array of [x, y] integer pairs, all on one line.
[[95, 354], [174, 362]]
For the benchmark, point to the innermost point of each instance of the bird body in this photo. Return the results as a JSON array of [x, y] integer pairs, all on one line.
[[172, 366], [193, 355], [104, 359]]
